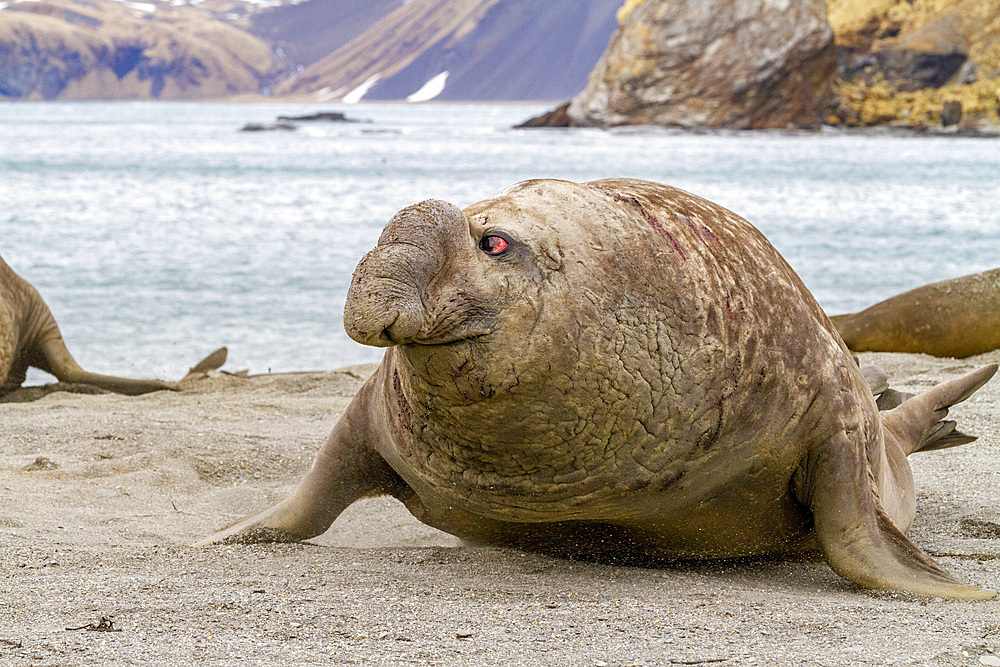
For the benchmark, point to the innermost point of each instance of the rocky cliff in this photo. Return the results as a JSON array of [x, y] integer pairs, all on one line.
[[687, 63], [724, 63], [71, 50], [770, 63]]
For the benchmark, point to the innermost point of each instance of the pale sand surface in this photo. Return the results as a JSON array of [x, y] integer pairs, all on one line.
[[132, 481]]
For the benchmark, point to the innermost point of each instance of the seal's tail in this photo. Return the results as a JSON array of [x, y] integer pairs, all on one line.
[[919, 423]]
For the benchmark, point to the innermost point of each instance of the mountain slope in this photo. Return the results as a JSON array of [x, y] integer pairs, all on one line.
[[319, 49], [311, 30], [109, 50], [489, 50]]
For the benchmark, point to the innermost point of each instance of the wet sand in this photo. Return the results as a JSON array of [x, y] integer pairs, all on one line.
[[101, 494]]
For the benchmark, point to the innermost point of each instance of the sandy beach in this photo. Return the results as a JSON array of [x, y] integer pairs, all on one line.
[[101, 494]]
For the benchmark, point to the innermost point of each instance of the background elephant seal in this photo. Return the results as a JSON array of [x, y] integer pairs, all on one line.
[[952, 318], [29, 336], [622, 367]]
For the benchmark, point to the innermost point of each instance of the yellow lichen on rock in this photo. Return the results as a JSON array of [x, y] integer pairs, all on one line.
[[881, 104], [976, 21], [888, 30], [626, 9]]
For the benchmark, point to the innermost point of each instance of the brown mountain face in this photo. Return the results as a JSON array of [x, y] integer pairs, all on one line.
[[688, 63], [110, 50], [389, 45]]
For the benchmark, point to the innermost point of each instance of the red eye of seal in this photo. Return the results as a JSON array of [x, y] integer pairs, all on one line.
[[494, 244]]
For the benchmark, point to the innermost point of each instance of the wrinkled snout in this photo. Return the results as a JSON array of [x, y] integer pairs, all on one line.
[[386, 302]]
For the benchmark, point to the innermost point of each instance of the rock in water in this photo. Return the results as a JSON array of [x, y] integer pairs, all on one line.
[[739, 64]]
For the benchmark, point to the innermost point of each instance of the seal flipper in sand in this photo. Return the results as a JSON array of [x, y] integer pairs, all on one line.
[[29, 336], [52, 356], [346, 468], [859, 541], [886, 398]]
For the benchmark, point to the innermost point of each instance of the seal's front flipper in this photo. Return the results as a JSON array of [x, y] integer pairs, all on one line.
[[346, 469], [857, 538]]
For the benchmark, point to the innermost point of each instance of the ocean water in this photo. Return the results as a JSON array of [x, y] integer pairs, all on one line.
[[157, 232]]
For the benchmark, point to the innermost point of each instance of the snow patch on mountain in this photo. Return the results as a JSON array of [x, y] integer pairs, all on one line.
[[355, 95], [431, 89]]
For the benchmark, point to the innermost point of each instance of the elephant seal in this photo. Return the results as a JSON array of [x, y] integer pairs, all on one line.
[[29, 336], [617, 365], [952, 318]]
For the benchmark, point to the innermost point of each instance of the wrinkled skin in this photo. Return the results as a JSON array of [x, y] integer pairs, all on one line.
[[952, 318], [639, 372], [29, 336]]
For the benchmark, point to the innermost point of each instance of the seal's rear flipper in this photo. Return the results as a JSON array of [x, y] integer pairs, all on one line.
[[857, 538], [892, 398], [919, 423]]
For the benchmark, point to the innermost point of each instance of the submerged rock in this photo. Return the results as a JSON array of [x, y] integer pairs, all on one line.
[[262, 127], [331, 116], [736, 64]]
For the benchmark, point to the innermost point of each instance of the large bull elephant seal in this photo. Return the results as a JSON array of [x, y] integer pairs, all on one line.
[[617, 365], [951, 318], [29, 336]]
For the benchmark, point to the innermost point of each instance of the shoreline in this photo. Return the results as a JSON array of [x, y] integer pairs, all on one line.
[[890, 129]]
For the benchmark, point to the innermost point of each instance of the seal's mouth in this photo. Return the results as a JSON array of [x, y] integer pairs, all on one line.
[[401, 331], [444, 340]]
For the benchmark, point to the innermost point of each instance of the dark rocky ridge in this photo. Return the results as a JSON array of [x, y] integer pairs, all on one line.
[[918, 64], [914, 64]]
